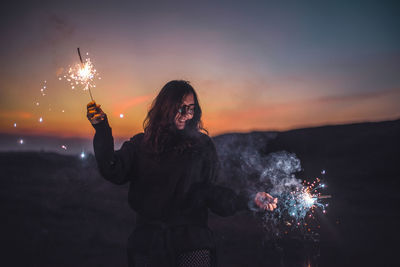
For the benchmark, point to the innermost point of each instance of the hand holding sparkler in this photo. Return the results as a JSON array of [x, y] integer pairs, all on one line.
[[94, 113], [265, 201]]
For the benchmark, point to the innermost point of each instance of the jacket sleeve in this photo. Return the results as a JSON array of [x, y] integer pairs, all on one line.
[[221, 200], [114, 166]]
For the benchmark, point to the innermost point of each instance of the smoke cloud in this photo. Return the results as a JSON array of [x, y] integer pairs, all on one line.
[[248, 169]]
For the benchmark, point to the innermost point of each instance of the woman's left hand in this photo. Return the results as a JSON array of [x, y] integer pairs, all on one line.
[[265, 201]]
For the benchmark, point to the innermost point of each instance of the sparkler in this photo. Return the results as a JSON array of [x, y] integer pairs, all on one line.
[[86, 73], [295, 212], [301, 200], [304, 199], [82, 74]]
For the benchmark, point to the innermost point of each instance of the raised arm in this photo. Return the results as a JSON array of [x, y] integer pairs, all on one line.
[[114, 166]]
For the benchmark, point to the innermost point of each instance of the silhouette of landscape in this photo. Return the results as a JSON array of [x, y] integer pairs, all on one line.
[[58, 211]]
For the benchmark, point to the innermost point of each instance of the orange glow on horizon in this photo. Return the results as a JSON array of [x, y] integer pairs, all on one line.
[[129, 103], [16, 115]]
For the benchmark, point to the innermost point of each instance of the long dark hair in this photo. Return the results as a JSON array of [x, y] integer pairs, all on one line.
[[159, 126]]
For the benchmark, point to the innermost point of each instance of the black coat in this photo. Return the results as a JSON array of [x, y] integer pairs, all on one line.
[[171, 193]]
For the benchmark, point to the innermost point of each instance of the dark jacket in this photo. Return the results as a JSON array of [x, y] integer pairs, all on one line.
[[170, 193]]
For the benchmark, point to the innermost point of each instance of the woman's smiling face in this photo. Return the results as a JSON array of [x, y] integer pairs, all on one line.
[[185, 111]]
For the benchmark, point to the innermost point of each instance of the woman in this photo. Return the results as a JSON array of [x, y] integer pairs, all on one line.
[[171, 168]]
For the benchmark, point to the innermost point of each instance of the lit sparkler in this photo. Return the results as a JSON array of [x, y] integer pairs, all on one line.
[[305, 199], [82, 74], [295, 214], [300, 204]]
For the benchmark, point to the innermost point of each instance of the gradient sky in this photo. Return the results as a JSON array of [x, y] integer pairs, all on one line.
[[256, 65]]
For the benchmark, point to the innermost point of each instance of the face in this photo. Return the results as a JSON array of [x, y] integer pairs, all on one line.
[[186, 111]]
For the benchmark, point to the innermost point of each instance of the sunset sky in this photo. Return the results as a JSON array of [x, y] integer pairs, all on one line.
[[256, 65]]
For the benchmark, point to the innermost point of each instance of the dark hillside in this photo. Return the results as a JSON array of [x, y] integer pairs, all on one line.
[[58, 211], [362, 174]]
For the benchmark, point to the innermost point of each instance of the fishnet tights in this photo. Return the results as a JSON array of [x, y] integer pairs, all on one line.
[[196, 258]]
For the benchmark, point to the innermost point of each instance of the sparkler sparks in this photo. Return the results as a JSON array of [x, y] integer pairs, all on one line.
[[304, 199], [295, 198], [82, 74], [43, 89], [296, 211], [298, 202]]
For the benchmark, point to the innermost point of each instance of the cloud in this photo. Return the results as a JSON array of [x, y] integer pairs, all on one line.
[[15, 114], [353, 97], [131, 102], [296, 113]]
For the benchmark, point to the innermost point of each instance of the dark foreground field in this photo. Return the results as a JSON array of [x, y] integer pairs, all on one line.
[[57, 211]]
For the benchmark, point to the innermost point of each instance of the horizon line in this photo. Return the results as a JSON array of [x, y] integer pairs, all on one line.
[[296, 127]]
